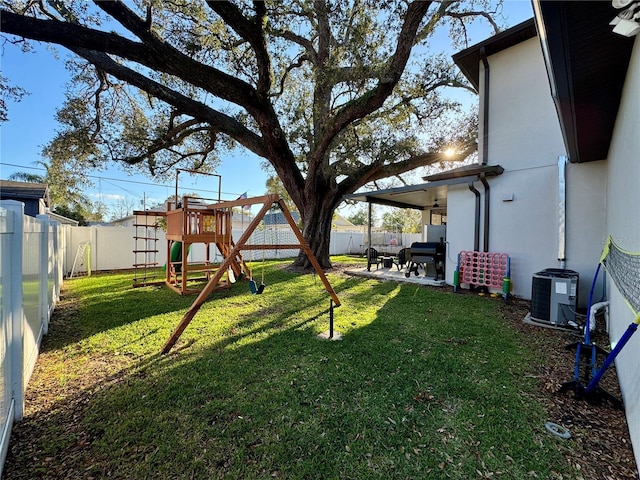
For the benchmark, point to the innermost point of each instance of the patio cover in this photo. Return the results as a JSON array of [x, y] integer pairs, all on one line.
[[424, 195], [418, 197]]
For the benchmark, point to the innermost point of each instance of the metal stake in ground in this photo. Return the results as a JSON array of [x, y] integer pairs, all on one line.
[[330, 334]]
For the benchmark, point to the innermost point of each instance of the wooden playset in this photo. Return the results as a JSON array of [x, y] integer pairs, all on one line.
[[191, 221], [191, 227]]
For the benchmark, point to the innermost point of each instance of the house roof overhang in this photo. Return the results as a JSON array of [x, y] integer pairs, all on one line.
[[468, 60], [62, 219], [587, 65], [417, 197]]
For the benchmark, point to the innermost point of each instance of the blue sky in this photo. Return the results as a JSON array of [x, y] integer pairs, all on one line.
[[32, 124]]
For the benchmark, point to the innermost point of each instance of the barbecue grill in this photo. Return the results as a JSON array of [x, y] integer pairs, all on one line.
[[426, 255]]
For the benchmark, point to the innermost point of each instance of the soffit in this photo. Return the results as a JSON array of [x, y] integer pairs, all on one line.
[[587, 65]]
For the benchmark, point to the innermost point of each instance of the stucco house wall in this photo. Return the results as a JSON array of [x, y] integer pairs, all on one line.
[[623, 224], [526, 140], [460, 226], [586, 223]]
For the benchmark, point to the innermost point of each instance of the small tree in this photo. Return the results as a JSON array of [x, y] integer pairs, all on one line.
[[360, 217], [275, 185], [402, 220], [122, 207]]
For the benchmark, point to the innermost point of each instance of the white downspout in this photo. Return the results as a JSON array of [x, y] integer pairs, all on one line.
[[562, 211]]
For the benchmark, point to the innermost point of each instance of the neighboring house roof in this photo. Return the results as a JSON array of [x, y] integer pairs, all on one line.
[[23, 190], [468, 60], [62, 219], [587, 65], [128, 218], [340, 221]]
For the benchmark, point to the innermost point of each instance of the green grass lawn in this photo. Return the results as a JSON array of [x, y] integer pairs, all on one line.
[[424, 384]]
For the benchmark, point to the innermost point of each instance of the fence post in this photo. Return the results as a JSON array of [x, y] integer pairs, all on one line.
[[15, 310], [57, 260], [44, 271], [93, 258]]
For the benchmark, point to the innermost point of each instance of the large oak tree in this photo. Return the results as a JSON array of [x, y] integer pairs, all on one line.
[[334, 95]]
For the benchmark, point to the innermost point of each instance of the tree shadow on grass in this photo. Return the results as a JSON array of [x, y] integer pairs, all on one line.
[[272, 401]]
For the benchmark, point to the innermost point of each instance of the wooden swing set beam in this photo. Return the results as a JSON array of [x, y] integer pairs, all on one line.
[[268, 201]]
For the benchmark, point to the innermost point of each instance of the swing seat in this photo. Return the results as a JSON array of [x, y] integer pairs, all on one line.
[[231, 276], [255, 288]]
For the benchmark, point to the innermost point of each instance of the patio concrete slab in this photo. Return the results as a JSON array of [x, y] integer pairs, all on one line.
[[395, 275]]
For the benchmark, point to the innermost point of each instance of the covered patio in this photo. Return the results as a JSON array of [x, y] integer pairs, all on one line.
[[430, 198], [396, 274]]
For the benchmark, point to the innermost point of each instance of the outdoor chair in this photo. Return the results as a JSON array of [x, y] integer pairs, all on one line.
[[401, 258], [372, 258]]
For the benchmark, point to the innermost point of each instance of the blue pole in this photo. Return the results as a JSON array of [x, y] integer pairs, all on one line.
[[611, 357], [576, 367], [587, 335]]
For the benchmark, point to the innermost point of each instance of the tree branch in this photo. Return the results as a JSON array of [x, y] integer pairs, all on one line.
[[221, 122], [129, 20], [160, 56], [252, 31], [297, 64], [462, 15], [172, 138], [377, 171], [306, 44]]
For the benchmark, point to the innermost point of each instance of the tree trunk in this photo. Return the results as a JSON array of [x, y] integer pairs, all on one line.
[[316, 230]]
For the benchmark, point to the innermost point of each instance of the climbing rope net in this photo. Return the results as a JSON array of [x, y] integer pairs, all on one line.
[[273, 232]]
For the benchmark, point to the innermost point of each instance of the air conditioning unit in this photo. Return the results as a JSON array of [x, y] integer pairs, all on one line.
[[554, 296]]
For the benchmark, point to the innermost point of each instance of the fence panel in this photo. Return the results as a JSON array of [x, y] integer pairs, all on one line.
[[6, 414], [112, 247], [31, 273], [34, 326], [56, 259]]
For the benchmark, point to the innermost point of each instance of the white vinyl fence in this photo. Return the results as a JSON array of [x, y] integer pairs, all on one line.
[[31, 267], [111, 248]]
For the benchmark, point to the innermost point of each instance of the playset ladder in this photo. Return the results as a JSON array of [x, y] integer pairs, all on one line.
[[145, 251]]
